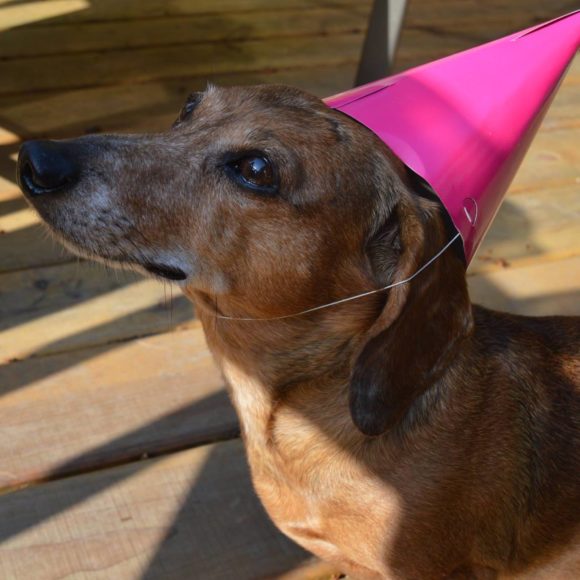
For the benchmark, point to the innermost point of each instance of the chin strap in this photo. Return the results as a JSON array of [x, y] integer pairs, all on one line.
[[355, 297]]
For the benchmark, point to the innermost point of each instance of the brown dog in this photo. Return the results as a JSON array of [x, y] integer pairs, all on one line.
[[406, 434]]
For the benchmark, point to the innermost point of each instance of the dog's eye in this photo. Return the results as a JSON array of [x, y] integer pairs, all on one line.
[[254, 172], [192, 101]]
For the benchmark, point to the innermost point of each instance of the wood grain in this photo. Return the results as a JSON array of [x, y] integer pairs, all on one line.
[[60, 308], [142, 56], [153, 32], [532, 228], [553, 160], [43, 12], [150, 106], [146, 64], [192, 514], [477, 21], [102, 406], [57, 12], [537, 290]]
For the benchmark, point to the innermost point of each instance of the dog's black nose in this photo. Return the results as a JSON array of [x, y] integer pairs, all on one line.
[[46, 167]]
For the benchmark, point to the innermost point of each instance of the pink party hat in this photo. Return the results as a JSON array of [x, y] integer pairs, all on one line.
[[464, 123]]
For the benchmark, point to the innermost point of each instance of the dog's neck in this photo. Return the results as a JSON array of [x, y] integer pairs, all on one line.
[[285, 352], [264, 361]]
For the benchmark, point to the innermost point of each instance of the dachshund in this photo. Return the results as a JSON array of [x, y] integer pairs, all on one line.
[[403, 434]]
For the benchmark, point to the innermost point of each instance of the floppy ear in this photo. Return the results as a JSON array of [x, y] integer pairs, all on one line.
[[411, 343]]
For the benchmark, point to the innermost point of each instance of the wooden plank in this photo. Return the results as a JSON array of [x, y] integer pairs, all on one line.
[[29, 247], [532, 227], [71, 306], [74, 11], [98, 407], [130, 9], [58, 12], [190, 515], [472, 27], [505, 16], [574, 71], [149, 106], [141, 65], [312, 570], [123, 35], [152, 106], [553, 160], [535, 10], [538, 290], [43, 12], [420, 45], [564, 110], [182, 7], [24, 242], [426, 35]]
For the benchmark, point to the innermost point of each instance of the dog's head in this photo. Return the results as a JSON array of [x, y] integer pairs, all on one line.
[[274, 202]]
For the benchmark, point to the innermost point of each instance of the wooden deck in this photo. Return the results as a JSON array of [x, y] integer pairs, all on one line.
[[119, 450]]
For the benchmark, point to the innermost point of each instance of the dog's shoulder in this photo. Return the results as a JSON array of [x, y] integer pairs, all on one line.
[[558, 336]]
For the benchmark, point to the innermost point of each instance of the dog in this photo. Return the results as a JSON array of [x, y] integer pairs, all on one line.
[[405, 434]]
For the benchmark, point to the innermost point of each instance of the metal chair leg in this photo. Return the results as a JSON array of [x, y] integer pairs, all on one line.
[[381, 40]]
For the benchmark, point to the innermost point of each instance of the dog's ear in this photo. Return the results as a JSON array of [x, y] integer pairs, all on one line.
[[412, 341]]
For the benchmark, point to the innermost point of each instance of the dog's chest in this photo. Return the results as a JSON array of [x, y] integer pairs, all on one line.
[[313, 489], [252, 403], [323, 499]]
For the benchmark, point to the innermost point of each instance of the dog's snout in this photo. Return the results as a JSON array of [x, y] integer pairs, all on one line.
[[47, 167]]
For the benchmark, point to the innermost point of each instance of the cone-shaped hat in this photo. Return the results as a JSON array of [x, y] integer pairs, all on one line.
[[464, 122]]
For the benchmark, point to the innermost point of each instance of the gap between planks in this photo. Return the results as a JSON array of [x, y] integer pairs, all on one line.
[[77, 11], [55, 40], [153, 105], [192, 514], [95, 69], [58, 39], [109, 404]]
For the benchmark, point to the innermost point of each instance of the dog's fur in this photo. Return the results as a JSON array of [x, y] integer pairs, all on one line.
[[405, 435]]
